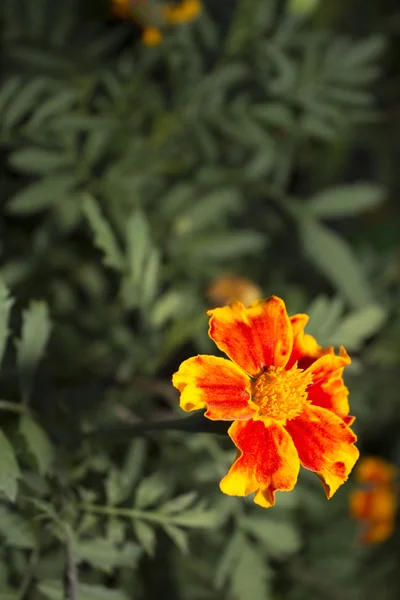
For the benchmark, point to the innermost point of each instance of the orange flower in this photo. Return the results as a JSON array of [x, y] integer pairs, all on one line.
[[375, 504], [123, 9], [151, 36], [284, 393], [228, 288], [185, 11]]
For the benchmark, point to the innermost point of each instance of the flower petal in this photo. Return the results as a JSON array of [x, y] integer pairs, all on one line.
[[256, 337], [327, 389], [267, 461], [325, 445], [305, 347], [216, 384]]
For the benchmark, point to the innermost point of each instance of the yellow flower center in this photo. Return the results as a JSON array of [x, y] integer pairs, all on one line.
[[281, 394]]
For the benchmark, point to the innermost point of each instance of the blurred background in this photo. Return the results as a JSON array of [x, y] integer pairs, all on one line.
[[160, 159]]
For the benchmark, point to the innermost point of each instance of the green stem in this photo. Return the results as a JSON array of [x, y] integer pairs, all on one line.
[[130, 513]]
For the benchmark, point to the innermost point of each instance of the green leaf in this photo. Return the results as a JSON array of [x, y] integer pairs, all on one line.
[[179, 537], [42, 194], [8, 90], [55, 106], [345, 200], [210, 209], [333, 256], [226, 246], [138, 244], [104, 237], [104, 555], [278, 538], [37, 160], [24, 101], [9, 469], [16, 531], [180, 503], [36, 327], [325, 317], [250, 575], [146, 536], [5, 307], [198, 517], [38, 443], [150, 490], [358, 326], [274, 115], [55, 590], [366, 51], [151, 278]]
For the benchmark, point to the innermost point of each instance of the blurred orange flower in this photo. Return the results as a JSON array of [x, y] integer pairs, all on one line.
[[375, 503], [182, 12], [284, 393], [228, 288], [154, 15], [151, 36]]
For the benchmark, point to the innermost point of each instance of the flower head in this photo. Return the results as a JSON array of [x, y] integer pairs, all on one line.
[[374, 504], [182, 12], [284, 393], [151, 36], [228, 288]]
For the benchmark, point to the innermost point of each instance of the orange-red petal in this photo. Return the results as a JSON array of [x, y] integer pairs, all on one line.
[[267, 461], [216, 384], [327, 389], [325, 445], [256, 337], [305, 347]]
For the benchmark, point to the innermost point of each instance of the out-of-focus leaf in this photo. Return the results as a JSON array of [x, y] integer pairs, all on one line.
[[5, 307], [250, 575], [105, 555], [150, 490], [226, 246], [277, 537], [345, 200], [38, 443], [210, 208], [36, 328], [335, 259], [104, 237], [146, 536], [37, 160], [358, 326], [55, 590], [138, 243], [9, 469], [42, 194], [179, 503], [23, 101], [16, 531], [179, 537]]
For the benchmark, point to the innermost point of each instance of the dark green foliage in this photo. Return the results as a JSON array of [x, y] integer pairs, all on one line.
[[255, 140]]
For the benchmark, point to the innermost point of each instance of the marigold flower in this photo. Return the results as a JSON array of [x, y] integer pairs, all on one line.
[[121, 9], [375, 504], [284, 393], [151, 36], [185, 11], [228, 288]]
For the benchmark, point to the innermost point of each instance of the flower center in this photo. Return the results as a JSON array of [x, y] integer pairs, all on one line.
[[281, 394]]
